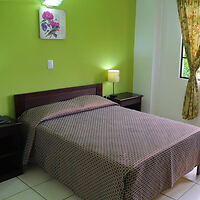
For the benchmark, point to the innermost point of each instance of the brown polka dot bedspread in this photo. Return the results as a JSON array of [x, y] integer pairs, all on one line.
[[102, 151]]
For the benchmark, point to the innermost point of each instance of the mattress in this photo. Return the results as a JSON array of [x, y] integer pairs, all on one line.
[[103, 151]]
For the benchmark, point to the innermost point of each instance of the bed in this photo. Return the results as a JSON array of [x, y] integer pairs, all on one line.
[[102, 151]]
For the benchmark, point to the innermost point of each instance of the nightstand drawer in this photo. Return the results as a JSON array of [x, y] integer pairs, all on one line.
[[10, 129], [11, 150], [130, 102], [9, 145], [11, 166]]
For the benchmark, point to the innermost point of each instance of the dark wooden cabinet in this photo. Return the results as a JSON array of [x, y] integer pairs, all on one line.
[[128, 100], [11, 150]]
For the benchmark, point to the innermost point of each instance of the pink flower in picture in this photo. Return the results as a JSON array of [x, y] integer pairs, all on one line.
[[53, 24], [47, 16]]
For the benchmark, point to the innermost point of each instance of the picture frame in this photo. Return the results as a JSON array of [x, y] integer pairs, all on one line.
[[52, 24]]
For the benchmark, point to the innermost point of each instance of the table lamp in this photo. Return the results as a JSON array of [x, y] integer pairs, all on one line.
[[113, 76]]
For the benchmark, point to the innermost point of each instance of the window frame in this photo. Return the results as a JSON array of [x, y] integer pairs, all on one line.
[[182, 60], [181, 64]]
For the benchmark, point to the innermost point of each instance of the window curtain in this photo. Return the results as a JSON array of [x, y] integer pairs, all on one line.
[[189, 16]]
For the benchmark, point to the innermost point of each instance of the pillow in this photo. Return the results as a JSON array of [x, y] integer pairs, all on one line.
[[58, 109]]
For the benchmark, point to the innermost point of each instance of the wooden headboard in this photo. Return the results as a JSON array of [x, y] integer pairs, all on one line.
[[24, 102]]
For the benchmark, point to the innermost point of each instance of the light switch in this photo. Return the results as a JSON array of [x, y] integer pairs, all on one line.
[[50, 64]]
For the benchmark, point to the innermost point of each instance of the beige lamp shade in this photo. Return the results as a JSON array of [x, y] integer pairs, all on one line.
[[113, 76]]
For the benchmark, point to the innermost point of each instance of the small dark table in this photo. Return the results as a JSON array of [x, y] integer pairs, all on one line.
[[128, 100], [11, 150]]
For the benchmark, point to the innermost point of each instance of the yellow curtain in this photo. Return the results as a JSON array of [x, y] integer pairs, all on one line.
[[189, 15]]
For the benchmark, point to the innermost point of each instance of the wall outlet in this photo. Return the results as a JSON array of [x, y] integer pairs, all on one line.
[[50, 64]]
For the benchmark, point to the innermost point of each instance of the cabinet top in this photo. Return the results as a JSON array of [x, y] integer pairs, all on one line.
[[7, 122], [125, 96]]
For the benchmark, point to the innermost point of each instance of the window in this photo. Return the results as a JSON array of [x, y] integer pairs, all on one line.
[[184, 68]]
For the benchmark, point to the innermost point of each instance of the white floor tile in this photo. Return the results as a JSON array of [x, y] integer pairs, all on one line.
[[26, 195], [11, 187], [193, 176], [180, 187], [162, 197], [192, 194], [34, 175], [53, 190]]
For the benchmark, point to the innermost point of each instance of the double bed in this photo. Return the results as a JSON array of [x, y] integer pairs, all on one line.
[[103, 151]]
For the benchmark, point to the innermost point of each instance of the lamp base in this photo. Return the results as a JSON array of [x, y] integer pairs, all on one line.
[[112, 96]]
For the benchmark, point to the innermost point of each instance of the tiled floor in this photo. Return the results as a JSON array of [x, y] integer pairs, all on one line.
[[35, 184]]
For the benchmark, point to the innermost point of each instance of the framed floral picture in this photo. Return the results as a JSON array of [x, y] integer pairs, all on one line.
[[52, 23]]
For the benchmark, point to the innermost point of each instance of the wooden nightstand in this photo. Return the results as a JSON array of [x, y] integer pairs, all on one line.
[[11, 150], [128, 100]]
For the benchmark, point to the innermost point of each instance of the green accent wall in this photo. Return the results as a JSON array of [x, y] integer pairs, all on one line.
[[100, 36]]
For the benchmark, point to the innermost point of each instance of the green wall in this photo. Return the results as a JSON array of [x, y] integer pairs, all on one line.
[[100, 36]]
